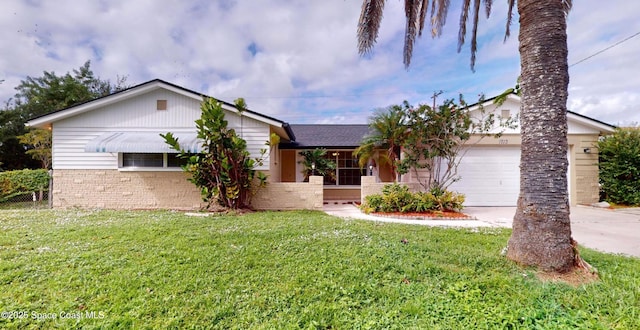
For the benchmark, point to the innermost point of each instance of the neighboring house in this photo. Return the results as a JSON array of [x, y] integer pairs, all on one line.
[[107, 153]]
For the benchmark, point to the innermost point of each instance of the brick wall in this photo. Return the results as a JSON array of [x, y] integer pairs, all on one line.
[[290, 195], [113, 189]]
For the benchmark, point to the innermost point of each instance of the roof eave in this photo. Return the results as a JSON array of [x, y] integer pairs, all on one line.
[[47, 119]]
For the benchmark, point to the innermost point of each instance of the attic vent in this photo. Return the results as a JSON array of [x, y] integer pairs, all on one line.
[[161, 105], [506, 114]]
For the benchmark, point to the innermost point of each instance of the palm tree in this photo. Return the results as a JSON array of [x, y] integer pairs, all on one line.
[[315, 162], [387, 131], [541, 228]]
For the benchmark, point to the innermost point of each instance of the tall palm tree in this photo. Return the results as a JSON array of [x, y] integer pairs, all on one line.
[[541, 228], [386, 134]]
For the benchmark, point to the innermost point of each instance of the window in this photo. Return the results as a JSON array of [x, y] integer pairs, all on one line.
[[142, 160], [174, 161], [348, 171], [151, 161]]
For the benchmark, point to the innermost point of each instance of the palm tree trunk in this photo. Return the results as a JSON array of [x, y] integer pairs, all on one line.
[[541, 228]]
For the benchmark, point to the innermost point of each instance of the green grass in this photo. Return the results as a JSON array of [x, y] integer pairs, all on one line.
[[285, 270], [24, 205]]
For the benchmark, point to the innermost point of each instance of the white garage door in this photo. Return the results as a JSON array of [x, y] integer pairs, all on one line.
[[490, 176]]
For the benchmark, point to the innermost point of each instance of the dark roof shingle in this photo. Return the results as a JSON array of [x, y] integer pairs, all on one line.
[[326, 136]]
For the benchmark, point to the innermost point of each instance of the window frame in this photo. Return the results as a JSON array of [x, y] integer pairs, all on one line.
[[165, 163], [352, 160]]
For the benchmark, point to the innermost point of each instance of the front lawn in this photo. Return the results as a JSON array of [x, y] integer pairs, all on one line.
[[116, 269]]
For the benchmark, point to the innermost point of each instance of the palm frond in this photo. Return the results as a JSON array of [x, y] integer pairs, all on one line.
[[423, 14], [567, 4], [507, 31], [369, 24], [411, 11], [487, 7], [464, 16], [439, 9], [474, 34]]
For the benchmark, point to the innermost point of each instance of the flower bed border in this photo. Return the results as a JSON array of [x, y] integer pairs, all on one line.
[[429, 216]]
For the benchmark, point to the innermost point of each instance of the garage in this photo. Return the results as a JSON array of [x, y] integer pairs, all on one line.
[[490, 176]]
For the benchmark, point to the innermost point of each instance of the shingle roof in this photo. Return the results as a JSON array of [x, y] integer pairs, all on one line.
[[326, 136]]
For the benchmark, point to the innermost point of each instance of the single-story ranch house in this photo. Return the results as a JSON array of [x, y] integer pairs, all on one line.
[[107, 153]]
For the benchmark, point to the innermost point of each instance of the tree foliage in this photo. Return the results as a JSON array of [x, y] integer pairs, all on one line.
[[37, 96], [431, 139], [315, 162], [38, 142], [620, 166], [224, 170], [437, 137], [20, 182], [387, 134]]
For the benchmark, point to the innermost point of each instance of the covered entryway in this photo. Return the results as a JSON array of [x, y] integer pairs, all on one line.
[[490, 176]]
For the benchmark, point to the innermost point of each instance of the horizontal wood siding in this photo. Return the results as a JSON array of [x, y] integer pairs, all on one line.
[[139, 114], [68, 150]]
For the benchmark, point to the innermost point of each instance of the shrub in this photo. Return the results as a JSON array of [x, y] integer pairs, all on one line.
[[15, 183], [224, 171], [448, 200], [373, 203], [423, 202], [619, 166], [398, 198], [395, 198]]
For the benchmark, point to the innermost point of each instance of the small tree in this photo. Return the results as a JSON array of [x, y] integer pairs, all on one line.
[[431, 139], [620, 166], [39, 142], [315, 162], [224, 170], [387, 131], [436, 139]]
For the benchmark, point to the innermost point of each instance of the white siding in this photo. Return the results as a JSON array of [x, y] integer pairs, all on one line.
[[140, 112], [576, 125], [136, 115]]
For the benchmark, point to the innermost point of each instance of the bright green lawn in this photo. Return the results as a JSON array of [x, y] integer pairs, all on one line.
[[285, 270]]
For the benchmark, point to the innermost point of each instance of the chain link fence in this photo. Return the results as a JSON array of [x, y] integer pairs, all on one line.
[[27, 200], [37, 199]]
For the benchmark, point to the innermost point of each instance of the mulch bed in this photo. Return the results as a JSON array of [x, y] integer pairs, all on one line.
[[445, 215]]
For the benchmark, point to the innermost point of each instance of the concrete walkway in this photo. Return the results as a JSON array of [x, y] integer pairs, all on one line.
[[612, 231]]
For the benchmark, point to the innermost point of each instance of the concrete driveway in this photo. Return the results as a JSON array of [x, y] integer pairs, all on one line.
[[600, 229], [613, 231]]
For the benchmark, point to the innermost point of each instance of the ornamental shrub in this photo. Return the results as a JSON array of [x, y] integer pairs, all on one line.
[[619, 166], [398, 198], [224, 171], [19, 182]]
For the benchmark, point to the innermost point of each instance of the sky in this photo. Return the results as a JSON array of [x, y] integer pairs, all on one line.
[[297, 60]]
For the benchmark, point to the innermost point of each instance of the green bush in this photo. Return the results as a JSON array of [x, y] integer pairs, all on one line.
[[619, 166], [14, 183], [395, 198], [398, 198]]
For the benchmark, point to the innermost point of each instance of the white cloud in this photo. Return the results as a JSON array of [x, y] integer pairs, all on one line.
[[298, 60]]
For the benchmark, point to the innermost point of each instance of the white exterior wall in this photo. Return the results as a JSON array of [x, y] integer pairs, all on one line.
[[576, 124], [139, 114]]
